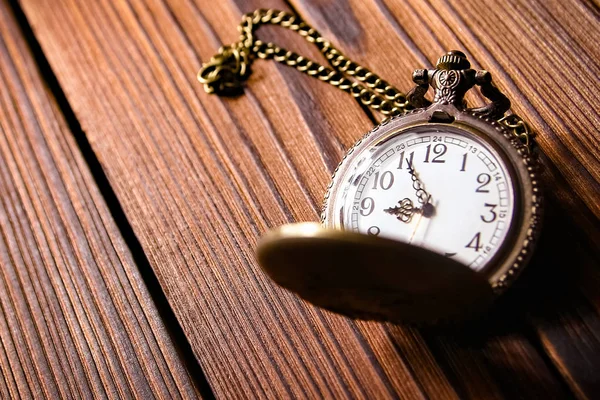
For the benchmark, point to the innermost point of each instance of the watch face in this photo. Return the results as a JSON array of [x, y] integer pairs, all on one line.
[[435, 186]]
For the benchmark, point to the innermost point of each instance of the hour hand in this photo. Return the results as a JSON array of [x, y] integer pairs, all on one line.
[[404, 211]]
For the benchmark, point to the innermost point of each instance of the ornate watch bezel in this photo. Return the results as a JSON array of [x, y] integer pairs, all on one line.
[[516, 250]]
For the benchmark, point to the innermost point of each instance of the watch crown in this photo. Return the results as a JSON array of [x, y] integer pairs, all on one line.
[[453, 60]]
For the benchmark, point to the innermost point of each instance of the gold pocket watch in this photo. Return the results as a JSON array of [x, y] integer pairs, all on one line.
[[429, 216]]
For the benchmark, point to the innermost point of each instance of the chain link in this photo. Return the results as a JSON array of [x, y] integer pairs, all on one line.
[[225, 73]]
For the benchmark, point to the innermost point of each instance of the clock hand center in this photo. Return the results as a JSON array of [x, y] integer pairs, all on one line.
[[406, 209], [428, 210], [422, 228]]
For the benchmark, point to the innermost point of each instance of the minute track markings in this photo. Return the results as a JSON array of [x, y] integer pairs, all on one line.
[[400, 200]]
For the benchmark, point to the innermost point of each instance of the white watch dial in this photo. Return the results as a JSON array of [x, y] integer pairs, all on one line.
[[466, 204]]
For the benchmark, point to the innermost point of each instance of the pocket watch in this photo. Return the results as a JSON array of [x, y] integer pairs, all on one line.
[[429, 216]]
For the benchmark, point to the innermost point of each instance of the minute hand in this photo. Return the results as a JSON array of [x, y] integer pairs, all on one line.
[[422, 195]]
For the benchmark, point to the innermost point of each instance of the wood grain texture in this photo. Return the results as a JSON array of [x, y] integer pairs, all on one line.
[[199, 199], [200, 178], [536, 51], [76, 319], [539, 82]]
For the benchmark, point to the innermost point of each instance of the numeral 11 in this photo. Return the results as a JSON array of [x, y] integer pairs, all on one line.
[[409, 159]]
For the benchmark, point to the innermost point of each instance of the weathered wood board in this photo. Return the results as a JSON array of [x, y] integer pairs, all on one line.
[[200, 178], [76, 319]]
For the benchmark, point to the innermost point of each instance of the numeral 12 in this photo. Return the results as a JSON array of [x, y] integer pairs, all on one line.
[[439, 150]]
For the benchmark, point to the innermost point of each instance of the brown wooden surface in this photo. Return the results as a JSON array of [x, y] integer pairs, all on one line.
[[200, 178], [539, 56], [76, 319]]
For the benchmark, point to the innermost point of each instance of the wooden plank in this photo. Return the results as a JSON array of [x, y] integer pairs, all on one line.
[[202, 177], [541, 62], [198, 199], [539, 55], [76, 319]]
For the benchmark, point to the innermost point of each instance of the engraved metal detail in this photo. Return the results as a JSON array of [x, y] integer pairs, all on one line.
[[451, 80]]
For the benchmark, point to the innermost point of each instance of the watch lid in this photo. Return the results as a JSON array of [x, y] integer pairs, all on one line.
[[368, 277]]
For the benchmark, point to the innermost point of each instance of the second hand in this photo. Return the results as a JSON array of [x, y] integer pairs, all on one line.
[[426, 228], [416, 229]]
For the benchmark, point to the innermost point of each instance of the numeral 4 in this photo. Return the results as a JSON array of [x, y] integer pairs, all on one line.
[[475, 243]]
